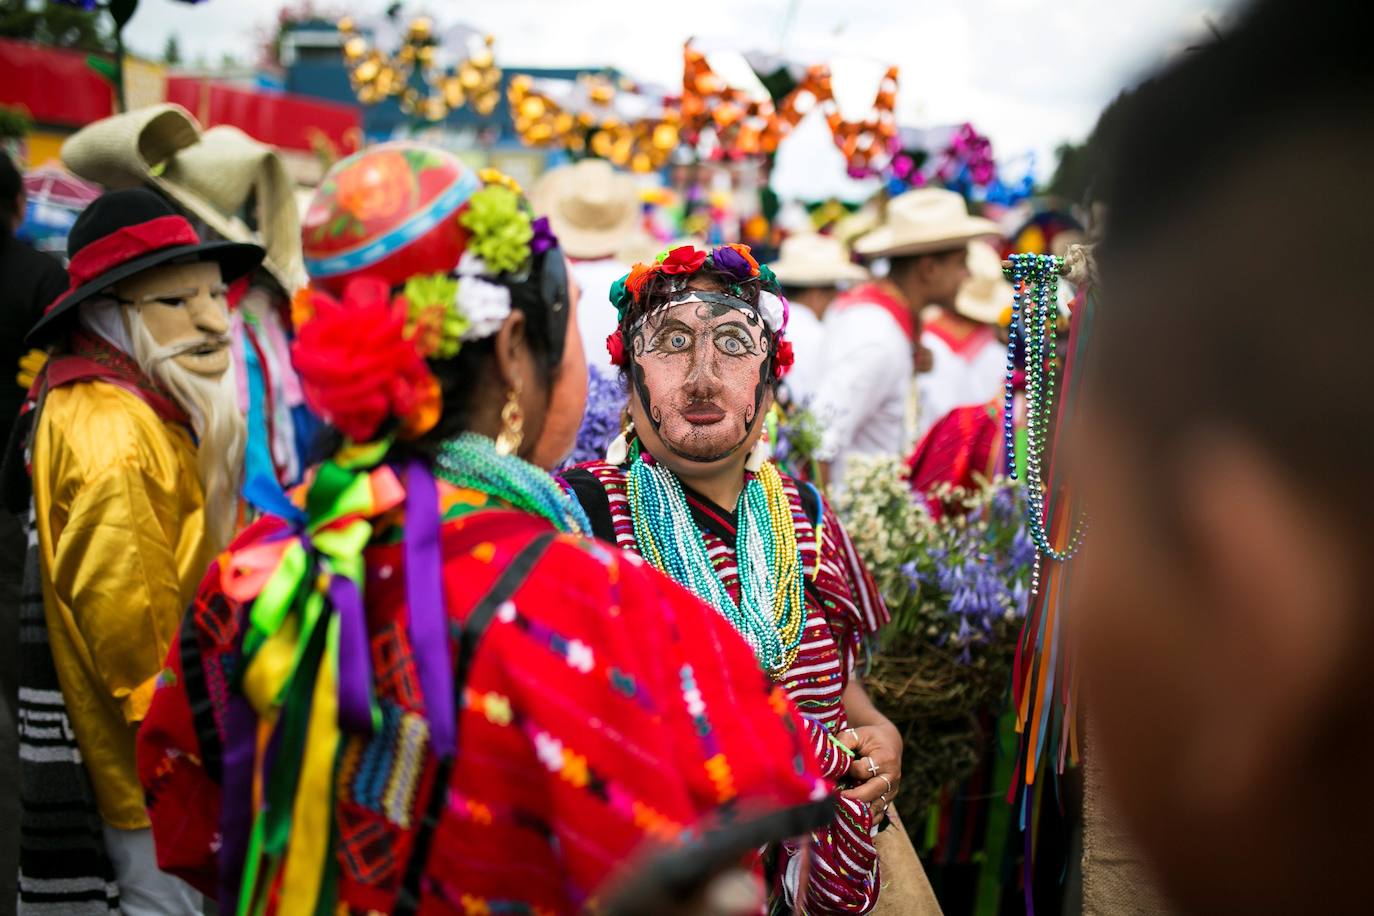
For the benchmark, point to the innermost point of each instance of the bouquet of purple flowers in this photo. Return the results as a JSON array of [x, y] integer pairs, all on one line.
[[957, 588]]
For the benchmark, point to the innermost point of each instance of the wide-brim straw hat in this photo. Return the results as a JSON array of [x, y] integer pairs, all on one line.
[[592, 208], [811, 259], [922, 221], [211, 175], [986, 292]]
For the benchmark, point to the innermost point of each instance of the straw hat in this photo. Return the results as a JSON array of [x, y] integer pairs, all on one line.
[[811, 259], [210, 175], [592, 208], [921, 221], [986, 293]]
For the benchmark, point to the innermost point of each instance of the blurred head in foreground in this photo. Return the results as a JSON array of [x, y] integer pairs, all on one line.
[[1226, 610]]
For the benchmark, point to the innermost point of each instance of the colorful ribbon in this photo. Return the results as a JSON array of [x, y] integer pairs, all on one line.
[[307, 673]]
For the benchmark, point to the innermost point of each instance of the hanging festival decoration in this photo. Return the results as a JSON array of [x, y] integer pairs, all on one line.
[[420, 73], [956, 158], [638, 130], [741, 125], [595, 117]]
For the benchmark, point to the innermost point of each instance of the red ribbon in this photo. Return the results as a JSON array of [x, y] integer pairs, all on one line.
[[123, 245]]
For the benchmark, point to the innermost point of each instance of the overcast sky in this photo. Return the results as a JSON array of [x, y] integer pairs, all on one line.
[[1029, 73]]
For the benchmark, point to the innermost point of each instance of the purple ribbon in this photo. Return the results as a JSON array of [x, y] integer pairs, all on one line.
[[355, 665], [236, 799], [425, 602]]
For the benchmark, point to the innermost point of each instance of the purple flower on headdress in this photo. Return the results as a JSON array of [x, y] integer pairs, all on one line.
[[730, 261], [543, 238]]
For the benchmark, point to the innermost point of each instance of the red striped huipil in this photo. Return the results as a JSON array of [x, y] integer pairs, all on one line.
[[844, 612]]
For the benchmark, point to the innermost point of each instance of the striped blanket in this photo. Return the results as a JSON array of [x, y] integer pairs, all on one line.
[[63, 866]]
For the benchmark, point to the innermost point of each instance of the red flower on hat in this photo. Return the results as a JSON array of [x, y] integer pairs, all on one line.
[[357, 366], [782, 358], [615, 345], [638, 277], [683, 260]]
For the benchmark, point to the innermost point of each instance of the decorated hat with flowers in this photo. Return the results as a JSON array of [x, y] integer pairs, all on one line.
[[412, 256], [747, 285]]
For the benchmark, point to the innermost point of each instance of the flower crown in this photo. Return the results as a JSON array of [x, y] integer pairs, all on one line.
[[735, 261], [363, 359]]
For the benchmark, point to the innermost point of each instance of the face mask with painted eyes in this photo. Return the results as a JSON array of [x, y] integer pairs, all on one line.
[[700, 368]]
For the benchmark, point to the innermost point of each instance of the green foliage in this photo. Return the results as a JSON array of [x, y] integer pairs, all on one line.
[[57, 25], [1082, 167], [956, 587], [14, 122], [171, 53]]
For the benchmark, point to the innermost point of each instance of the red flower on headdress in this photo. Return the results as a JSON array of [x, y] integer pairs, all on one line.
[[744, 252], [683, 260], [615, 345], [638, 277], [782, 358], [356, 364]]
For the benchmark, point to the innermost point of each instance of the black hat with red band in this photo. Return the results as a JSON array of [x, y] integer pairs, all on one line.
[[123, 233]]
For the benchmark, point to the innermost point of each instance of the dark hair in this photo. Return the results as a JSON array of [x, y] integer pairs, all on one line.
[[11, 186], [544, 335], [1233, 265], [900, 263], [661, 287]]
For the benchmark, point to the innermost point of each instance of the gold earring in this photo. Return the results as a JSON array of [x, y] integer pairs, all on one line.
[[512, 425]]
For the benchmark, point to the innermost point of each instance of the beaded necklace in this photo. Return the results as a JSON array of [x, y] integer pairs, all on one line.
[[771, 612], [470, 460], [1035, 281]]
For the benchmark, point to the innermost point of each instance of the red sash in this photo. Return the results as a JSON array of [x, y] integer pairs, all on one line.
[[883, 296], [94, 358], [964, 343]]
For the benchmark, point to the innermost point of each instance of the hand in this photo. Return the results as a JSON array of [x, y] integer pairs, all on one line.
[[877, 764]]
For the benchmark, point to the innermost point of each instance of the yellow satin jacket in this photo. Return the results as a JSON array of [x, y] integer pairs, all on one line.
[[121, 534]]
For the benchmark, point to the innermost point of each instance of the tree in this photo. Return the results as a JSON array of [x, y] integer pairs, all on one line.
[[56, 24], [1081, 170], [171, 54]]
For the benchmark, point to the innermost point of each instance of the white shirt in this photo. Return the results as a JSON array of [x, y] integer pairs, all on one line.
[[866, 378], [596, 317], [806, 334], [958, 379]]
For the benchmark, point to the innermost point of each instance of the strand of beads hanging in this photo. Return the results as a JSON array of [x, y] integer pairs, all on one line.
[[1036, 279], [1015, 343], [471, 461], [771, 611]]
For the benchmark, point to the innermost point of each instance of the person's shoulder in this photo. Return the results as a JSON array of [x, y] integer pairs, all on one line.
[[39, 271], [101, 424], [864, 320], [593, 473]]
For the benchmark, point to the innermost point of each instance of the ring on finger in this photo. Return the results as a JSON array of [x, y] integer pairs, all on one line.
[[872, 767], [853, 734], [889, 784]]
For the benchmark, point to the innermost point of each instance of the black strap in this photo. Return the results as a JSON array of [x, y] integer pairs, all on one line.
[[811, 501], [198, 691], [474, 628], [588, 491]]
